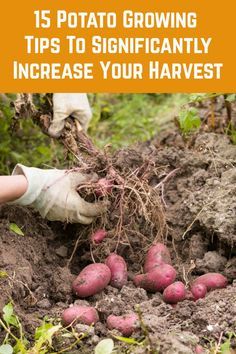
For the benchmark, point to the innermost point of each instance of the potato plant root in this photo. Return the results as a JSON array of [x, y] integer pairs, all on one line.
[[135, 206]]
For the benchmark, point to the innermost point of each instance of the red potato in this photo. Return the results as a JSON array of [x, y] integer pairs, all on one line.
[[98, 236], [92, 280], [199, 349], [80, 314], [198, 291], [156, 280], [157, 255], [118, 268], [104, 187], [124, 324], [211, 281], [174, 293]]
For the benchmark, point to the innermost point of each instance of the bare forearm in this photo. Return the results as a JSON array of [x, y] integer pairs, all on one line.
[[12, 187]]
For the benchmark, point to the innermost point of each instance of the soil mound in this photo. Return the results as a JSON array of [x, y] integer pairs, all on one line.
[[197, 190]]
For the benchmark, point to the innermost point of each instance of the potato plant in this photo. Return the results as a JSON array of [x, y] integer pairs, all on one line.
[[190, 121]]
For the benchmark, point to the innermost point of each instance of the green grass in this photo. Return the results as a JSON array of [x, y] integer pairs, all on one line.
[[125, 119], [27, 144]]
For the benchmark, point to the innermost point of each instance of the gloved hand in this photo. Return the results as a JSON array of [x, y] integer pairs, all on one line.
[[69, 104], [53, 193]]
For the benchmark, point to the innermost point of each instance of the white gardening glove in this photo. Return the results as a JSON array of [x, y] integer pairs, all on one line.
[[75, 105], [53, 193]]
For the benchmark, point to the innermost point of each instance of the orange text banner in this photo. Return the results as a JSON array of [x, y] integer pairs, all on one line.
[[118, 46]]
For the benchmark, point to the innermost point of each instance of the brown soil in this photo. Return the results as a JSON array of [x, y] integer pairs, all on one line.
[[200, 198]]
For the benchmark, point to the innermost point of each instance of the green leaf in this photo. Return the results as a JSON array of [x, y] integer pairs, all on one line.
[[189, 120], [225, 347], [20, 346], [233, 136], [8, 315], [51, 333], [14, 228], [6, 349], [44, 335], [7, 312], [44, 150], [127, 340], [43, 330], [201, 97], [231, 97], [14, 155], [106, 346], [3, 274], [198, 97]]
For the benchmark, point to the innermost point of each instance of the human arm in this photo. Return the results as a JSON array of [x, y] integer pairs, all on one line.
[[12, 188], [53, 193]]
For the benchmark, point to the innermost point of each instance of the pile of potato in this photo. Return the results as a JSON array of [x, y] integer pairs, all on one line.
[[159, 276]]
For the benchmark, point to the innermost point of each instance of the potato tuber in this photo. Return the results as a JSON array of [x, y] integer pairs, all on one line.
[[157, 255], [80, 314], [124, 324], [156, 280], [98, 236], [174, 293], [118, 268], [211, 281], [198, 291], [91, 280]]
